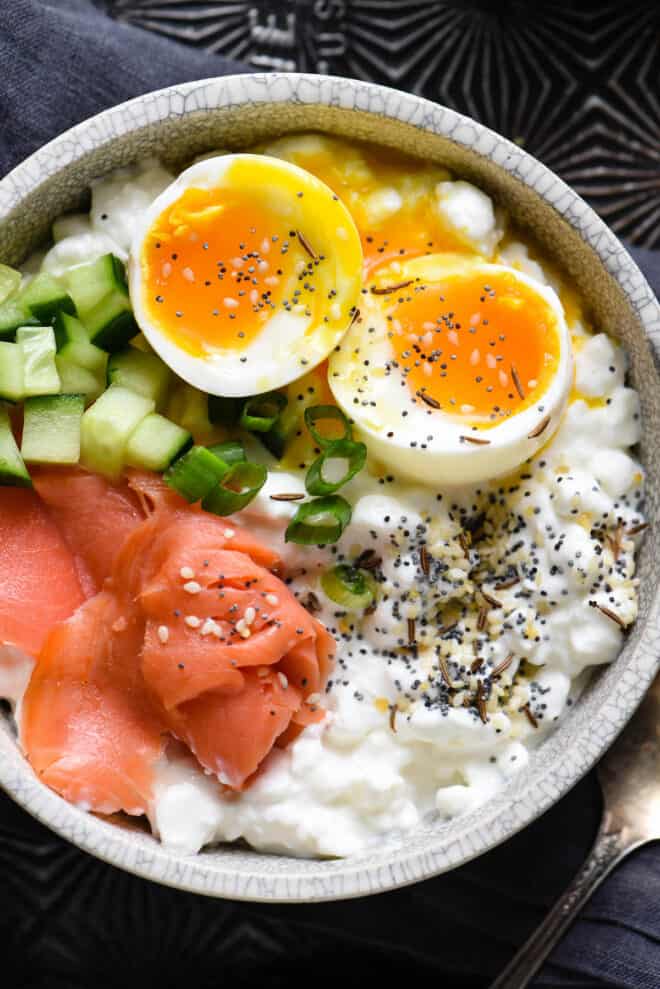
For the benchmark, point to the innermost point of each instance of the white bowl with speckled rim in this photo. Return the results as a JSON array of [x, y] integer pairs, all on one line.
[[233, 112]]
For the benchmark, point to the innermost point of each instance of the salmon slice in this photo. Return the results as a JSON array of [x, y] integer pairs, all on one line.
[[193, 635], [87, 726], [226, 640], [38, 575], [231, 735], [94, 516]]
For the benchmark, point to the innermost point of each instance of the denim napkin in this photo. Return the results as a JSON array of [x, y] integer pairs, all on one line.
[[67, 920]]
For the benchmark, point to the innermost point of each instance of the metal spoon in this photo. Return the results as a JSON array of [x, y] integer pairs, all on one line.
[[629, 776]]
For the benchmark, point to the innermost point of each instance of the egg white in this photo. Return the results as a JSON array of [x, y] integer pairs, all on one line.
[[291, 342], [426, 444]]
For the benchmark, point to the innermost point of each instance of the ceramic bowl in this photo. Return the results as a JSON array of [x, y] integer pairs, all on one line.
[[233, 112]]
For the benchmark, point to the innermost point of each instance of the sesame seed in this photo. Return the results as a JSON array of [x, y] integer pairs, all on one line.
[[250, 615], [229, 533], [242, 629], [211, 628], [192, 587], [283, 680], [163, 633], [313, 699], [187, 573], [272, 599], [192, 621]]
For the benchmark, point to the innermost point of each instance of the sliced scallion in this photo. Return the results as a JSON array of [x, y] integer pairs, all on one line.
[[232, 452], [350, 587], [195, 473], [261, 412], [319, 522], [236, 489], [327, 424], [319, 480]]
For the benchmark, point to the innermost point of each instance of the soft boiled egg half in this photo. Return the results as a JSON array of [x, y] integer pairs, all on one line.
[[456, 371], [245, 273]]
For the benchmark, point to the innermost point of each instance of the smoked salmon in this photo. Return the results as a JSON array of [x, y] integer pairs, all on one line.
[[94, 516], [188, 631], [40, 580]]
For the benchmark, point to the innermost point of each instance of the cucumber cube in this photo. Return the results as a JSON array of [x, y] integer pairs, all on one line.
[[11, 372], [76, 380], [10, 281], [13, 471], [143, 373], [73, 343], [107, 426], [45, 296], [189, 407], [101, 297], [40, 375], [12, 315], [51, 429], [156, 442]]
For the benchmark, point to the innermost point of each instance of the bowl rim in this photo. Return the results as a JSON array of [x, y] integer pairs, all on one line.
[[319, 880]]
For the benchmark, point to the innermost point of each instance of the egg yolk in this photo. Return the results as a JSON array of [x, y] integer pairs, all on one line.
[[217, 265], [478, 350]]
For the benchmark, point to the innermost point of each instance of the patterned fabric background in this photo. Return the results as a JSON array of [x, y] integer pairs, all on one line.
[[579, 86], [576, 83]]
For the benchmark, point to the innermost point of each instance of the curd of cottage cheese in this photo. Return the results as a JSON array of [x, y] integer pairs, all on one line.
[[508, 591]]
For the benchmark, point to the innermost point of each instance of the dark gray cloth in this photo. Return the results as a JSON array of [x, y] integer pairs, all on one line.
[[59, 63]]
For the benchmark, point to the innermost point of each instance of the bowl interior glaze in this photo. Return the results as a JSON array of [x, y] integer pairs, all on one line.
[[233, 113]]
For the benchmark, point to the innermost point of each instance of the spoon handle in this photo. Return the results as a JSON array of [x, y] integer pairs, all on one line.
[[608, 850]]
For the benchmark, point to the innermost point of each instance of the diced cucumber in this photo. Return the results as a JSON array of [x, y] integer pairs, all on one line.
[[74, 345], [13, 471], [144, 373], [101, 297], [156, 442], [195, 473], [76, 380], [45, 296], [40, 375], [188, 407], [12, 315], [106, 427], [51, 429], [11, 371], [10, 281]]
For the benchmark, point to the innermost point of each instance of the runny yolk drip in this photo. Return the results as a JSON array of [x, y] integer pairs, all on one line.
[[413, 230], [217, 266], [481, 350], [405, 237]]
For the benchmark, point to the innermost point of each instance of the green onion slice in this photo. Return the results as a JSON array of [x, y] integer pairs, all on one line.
[[236, 489], [350, 587], [319, 522], [232, 452], [352, 454], [332, 422], [195, 473], [261, 412], [224, 411]]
